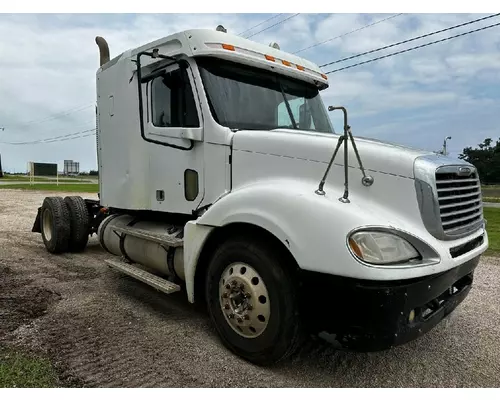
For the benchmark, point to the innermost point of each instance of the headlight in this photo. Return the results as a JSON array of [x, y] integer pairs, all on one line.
[[382, 248]]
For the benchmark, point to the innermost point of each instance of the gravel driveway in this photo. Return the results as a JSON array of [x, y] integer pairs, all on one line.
[[101, 328]]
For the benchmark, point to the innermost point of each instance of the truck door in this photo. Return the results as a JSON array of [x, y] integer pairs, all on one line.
[[174, 129]]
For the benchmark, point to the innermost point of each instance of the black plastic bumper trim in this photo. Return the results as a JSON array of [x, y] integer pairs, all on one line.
[[373, 315]]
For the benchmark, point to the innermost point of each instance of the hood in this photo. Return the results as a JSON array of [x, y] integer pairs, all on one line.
[[376, 155]]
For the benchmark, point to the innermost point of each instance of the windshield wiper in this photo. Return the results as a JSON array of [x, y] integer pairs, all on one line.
[[294, 124]]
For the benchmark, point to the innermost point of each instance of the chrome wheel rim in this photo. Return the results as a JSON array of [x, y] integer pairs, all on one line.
[[47, 224], [244, 300]]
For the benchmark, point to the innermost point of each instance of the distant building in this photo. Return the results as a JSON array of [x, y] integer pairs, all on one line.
[[71, 167]]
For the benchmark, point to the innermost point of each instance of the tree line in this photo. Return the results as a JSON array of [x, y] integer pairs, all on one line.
[[486, 158]]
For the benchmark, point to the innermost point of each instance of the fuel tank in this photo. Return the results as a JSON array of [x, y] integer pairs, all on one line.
[[155, 256]]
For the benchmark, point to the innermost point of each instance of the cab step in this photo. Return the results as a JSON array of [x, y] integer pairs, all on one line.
[[158, 283], [166, 239]]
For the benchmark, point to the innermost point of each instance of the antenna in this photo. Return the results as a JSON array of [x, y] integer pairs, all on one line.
[[274, 45], [220, 28]]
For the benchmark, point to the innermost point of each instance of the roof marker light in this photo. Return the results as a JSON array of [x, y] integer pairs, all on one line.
[[270, 58], [287, 63], [228, 47]]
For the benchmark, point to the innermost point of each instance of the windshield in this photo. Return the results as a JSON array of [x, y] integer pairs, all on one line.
[[243, 97]]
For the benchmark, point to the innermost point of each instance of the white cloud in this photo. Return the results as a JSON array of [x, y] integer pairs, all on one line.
[[49, 63]]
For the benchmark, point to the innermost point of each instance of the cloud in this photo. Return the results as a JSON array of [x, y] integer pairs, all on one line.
[[417, 98]]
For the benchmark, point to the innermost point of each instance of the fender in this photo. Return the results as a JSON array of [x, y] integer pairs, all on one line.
[[283, 208], [263, 204], [317, 240]]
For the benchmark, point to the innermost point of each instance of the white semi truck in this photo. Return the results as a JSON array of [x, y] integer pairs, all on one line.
[[220, 175]]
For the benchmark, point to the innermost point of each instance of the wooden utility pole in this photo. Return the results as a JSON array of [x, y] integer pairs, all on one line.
[[1, 170]]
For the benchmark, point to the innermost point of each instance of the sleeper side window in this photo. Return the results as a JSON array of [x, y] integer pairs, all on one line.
[[173, 104]]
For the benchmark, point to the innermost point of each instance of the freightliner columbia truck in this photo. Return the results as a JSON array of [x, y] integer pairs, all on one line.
[[221, 176]]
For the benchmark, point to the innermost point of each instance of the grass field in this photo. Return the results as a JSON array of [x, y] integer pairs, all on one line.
[[22, 178], [492, 215], [491, 199], [19, 370], [64, 187]]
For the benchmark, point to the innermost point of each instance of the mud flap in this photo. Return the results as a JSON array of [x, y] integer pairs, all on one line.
[[36, 226]]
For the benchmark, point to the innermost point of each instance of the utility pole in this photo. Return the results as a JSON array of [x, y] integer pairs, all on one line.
[[1, 171]]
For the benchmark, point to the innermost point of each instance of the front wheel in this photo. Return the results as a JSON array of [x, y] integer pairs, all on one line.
[[252, 301]]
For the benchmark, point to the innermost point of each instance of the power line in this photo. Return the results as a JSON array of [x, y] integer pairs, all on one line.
[[53, 116], [272, 26], [259, 24], [52, 130], [347, 33], [413, 48], [70, 138], [410, 40], [61, 138]]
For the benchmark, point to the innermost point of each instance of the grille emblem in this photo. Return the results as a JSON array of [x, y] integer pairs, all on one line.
[[464, 171]]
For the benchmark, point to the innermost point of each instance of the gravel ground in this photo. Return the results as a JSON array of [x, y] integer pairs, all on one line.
[[103, 329]]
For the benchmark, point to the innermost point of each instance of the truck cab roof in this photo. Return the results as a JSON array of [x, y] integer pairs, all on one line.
[[206, 42]]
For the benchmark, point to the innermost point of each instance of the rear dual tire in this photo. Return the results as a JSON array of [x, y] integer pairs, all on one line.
[[55, 225], [79, 223], [64, 224]]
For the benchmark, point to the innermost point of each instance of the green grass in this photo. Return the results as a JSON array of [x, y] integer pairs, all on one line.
[[64, 187], [14, 177], [22, 178], [492, 215], [491, 199], [25, 371]]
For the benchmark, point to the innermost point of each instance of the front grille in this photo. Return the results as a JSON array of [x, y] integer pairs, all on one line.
[[460, 203]]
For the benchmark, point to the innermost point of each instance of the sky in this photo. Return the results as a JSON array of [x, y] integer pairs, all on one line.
[[49, 61]]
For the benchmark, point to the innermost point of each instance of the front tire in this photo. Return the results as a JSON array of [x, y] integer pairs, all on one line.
[[252, 301], [54, 224]]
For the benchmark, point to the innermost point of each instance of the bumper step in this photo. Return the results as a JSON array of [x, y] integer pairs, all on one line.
[[158, 283]]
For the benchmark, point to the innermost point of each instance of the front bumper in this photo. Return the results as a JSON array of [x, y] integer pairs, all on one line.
[[372, 316]]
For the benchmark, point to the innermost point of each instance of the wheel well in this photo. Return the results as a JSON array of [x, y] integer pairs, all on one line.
[[221, 234]]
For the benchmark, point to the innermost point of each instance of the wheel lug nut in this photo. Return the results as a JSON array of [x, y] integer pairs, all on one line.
[[228, 286], [240, 320], [226, 306], [230, 316], [224, 295], [247, 317]]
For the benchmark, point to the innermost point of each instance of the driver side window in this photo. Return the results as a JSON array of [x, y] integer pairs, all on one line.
[[173, 104]]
